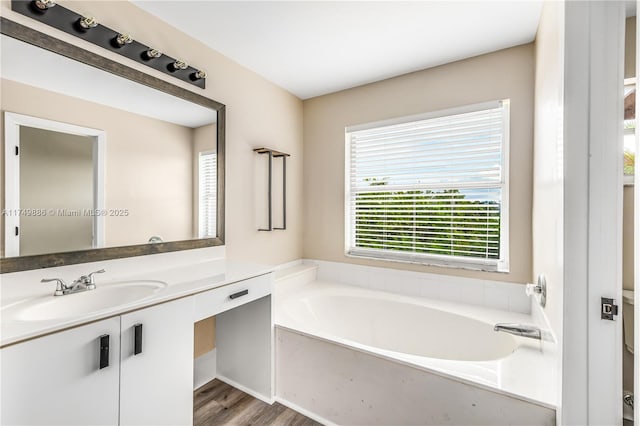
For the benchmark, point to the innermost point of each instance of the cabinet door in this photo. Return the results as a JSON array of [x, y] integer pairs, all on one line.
[[57, 379], [156, 384]]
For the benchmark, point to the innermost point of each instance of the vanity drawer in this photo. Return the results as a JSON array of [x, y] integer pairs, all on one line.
[[220, 299]]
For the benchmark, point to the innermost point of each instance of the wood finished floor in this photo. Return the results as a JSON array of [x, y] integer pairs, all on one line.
[[218, 403]]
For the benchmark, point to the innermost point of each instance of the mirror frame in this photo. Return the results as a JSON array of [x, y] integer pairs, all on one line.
[[47, 42]]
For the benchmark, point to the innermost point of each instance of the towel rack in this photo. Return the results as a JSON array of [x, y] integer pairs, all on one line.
[[276, 154]]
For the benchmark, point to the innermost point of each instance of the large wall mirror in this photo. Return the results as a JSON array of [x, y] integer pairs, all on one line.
[[101, 161]]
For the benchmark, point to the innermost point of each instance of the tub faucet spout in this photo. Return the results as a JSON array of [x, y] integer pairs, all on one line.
[[519, 330]]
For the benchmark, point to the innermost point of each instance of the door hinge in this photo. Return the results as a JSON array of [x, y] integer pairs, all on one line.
[[608, 308]]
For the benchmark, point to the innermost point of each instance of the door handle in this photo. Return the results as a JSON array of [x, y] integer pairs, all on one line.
[[104, 351], [137, 339], [238, 294]]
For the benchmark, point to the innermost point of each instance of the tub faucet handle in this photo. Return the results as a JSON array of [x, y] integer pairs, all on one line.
[[540, 288], [532, 289]]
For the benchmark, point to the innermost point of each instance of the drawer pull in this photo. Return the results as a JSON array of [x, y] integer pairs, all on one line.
[[137, 339], [104, 351], [239, 294]]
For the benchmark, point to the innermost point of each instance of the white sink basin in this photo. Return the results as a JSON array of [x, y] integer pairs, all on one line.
[[87, 302]]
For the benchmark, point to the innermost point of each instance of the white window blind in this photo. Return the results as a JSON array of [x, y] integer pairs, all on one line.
[[207, 184], [431, 189]]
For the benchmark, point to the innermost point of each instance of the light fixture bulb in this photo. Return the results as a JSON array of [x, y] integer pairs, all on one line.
[[200, 74], [180, 65], [153, 53], [88, 22], [123, 39], [44, 4]]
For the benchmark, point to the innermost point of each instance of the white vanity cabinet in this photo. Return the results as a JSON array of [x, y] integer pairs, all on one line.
[[57, 379], [147, 375], [156, 374]]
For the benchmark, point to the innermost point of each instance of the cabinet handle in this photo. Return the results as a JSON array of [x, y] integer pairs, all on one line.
[[238, 294], [137, 339], [104, 351]]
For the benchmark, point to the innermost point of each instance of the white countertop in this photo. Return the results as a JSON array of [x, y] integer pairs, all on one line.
[[183, 280]]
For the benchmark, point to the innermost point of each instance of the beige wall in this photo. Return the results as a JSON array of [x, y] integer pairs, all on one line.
[[204, 333], [627, 238], [258, 113], [148, 163], [548, 179], [56, 172], [504, 74], [630, 48]]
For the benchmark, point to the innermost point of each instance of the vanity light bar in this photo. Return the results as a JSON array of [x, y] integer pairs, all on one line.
[[88, 28]]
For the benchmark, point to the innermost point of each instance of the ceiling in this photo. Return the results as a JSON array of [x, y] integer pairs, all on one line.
[[311, 48]]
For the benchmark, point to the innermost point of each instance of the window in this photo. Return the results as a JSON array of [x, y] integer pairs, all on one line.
[[207, 194], [431, 189]]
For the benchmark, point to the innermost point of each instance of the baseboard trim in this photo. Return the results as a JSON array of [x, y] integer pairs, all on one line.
[[245, 389], [304, 412]]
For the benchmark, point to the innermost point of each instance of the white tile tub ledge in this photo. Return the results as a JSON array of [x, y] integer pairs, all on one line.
[[351, 353], [491, 294]]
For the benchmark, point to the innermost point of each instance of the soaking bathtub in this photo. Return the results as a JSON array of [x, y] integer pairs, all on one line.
[[350, 355]]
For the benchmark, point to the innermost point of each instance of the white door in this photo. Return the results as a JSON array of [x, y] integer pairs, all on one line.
[[47, 215], [605, 211], [156, 374], [592, 347], [57, 379], [636, 235]]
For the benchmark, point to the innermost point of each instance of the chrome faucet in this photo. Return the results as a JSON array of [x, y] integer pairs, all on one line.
[[84, 283], [519, 330]]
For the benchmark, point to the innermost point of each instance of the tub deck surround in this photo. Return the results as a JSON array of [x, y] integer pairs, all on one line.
[[514, 366], [335, 384], [402, 329], [182, 278]]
